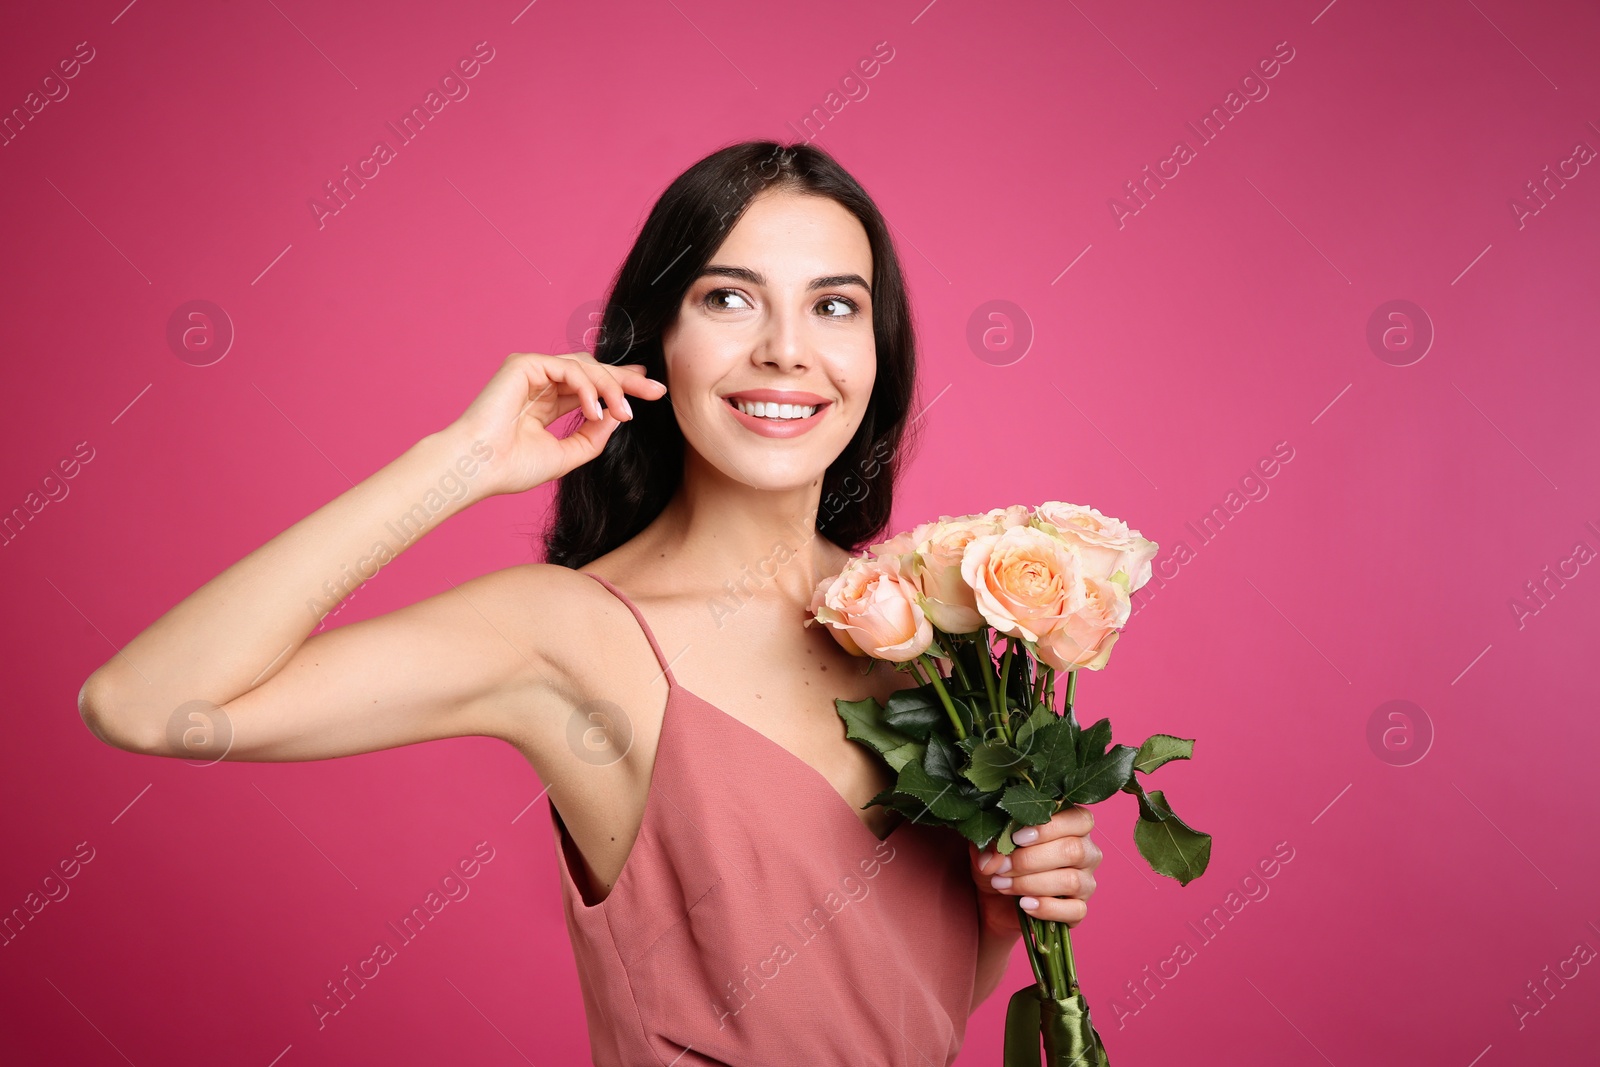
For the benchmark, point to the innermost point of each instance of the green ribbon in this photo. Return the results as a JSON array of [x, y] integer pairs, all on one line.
[[1070, 1039]]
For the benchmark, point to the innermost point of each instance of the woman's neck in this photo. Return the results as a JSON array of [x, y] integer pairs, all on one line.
[[763, 541]]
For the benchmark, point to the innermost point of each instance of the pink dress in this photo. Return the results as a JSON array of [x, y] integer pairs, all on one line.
[[758, 921]]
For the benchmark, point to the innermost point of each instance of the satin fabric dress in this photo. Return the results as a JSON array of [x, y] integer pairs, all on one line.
[[758, 921]]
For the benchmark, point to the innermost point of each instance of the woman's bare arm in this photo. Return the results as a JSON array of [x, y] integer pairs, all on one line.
[[242, 642]]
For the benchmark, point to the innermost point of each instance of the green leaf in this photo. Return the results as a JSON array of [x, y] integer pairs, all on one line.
[[864, 721], [1169, 845], [992, 763], [1094, 782], [1027, 805], [1093, 741], [910, 752], [915, 712], [1040, 715], [983, 827], [942, 799], [1003, 844], [942, 760], [1050, 748], [904, 803], [1147, 810], [884, 798], [1160, 748], [967, 713]]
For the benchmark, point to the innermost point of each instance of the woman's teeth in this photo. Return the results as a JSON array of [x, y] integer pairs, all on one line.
[[769, 410]]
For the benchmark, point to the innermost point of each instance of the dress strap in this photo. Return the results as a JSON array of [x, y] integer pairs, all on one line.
[[655, 646]]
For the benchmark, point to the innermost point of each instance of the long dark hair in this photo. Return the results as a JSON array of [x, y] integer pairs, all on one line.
[[608, 500]]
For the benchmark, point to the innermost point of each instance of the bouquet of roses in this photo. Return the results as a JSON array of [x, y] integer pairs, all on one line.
[[1005, 600]]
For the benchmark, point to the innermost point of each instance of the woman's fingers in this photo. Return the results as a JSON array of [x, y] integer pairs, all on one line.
[[614, 383], [586, 442], [1053, 871], [605, 383], [555, 385], [1056, 909], [632, 378], [1061, 882], [1048, 855], [1063, 841], [588, 381], [1071, 820]]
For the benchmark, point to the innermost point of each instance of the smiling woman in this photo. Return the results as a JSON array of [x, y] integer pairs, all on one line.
[[778, 239], [694, 818]]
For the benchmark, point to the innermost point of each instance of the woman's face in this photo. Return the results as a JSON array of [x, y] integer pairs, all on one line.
[[782, 314]]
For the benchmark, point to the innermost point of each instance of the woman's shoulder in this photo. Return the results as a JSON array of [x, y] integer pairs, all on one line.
[[557, 612], [542, 582]]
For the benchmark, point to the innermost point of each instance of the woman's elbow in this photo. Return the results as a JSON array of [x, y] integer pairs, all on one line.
[[109, 720]]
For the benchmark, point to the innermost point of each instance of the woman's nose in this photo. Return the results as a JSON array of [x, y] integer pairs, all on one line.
[[786, 342]]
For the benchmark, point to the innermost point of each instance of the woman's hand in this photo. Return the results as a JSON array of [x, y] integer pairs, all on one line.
[[528, 393], [1052, 865]]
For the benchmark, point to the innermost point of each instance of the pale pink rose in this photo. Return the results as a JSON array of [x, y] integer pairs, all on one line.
[[872, 609], [1105, 544], [947, 599], [1025, 582], [900, 544], [1015, 515], [902, 548], [1086, 638]]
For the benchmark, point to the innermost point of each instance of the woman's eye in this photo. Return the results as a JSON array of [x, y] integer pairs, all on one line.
[[849, 306], [712, 297]]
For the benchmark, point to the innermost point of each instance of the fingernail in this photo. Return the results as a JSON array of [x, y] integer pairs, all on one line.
[[1000, 881], [983, 858], [627, 408], [1029, 903], [1025, 836], [1005, 865]]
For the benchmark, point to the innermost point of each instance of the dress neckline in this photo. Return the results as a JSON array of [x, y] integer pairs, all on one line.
[[677, 689]]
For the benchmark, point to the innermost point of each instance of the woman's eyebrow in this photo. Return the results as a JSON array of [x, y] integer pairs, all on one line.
[[831, 281]]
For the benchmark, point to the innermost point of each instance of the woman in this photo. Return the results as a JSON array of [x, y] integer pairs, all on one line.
[[730, 896]]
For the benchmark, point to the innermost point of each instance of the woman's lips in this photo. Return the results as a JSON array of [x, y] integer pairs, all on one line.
[[778, 427]]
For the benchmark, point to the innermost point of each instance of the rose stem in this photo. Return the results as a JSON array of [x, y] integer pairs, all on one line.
[[986, 664], [955, 662], [996, 708], [1030, 936], [950, 709]]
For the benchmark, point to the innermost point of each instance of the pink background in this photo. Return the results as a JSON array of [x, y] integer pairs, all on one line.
[[1228, 315]]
